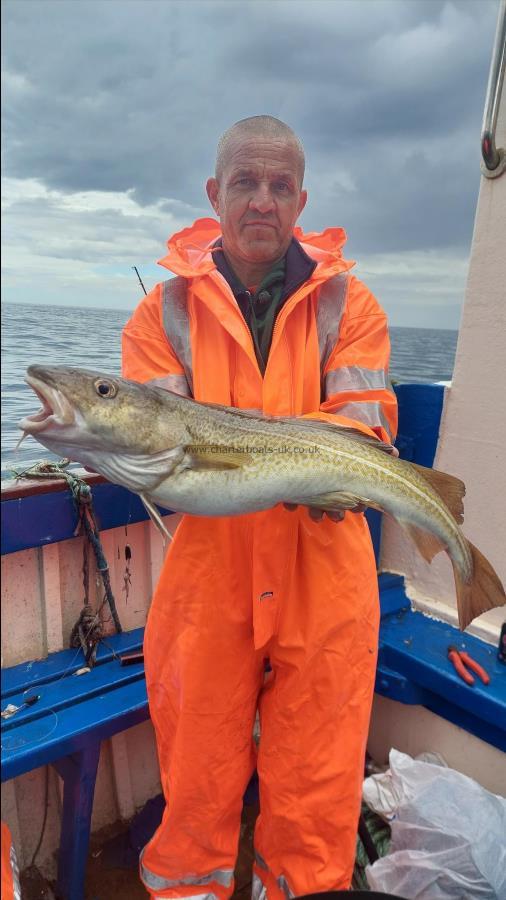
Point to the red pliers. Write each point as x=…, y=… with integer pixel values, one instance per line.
x=460, y=659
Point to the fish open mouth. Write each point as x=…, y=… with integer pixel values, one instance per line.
x=56, y=409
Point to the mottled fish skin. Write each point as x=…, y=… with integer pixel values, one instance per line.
x=212, y=460
x=287, y=465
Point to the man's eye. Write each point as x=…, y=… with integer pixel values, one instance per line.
x=245, y=182
x=282, y=186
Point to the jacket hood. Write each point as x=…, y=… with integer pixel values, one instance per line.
x=190, y=249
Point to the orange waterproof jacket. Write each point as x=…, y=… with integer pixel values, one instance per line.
x=329, y=355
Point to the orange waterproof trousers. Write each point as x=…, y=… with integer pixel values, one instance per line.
x=10, y=871
x=205, y=681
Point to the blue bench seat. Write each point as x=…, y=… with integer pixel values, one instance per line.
x=65, y=728
x=413, y=667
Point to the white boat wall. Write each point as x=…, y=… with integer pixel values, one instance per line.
x=472, y=446
x=42, y=589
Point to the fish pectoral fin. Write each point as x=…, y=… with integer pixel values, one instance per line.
x=332, y=502
x=155, y=517
x=216, y=456
x=427, y=543
x=451, y=489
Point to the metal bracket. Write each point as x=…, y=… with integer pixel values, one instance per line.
x=494, y=162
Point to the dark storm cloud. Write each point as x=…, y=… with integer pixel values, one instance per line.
x=121, y=95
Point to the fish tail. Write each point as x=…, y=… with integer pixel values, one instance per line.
x=483, y=592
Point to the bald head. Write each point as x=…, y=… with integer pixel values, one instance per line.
x=260, y=127
x=257, y=194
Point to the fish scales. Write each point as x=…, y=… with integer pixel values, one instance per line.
x=211, y=460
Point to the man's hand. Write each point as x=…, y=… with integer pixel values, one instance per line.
x=317, y=514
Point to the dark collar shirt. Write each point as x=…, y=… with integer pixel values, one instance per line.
x=260, y=308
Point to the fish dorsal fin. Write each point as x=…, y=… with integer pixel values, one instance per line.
x=235, y=410
x=313, y=425
x=450, y=489
x=330, y=429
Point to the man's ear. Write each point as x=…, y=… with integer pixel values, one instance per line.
x=302, y=202
x=213, y=188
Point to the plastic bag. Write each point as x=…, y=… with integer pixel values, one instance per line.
x=448, y=833
x=384, y=793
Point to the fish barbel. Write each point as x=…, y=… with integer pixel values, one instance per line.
x=209, y=460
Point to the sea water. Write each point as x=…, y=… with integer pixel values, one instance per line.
x=90, y=338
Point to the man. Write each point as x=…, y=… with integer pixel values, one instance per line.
x=262, y=317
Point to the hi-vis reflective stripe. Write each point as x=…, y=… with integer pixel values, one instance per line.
x=355, y=378
x=16, y=888
x=155, y=882
x=176, y=323
x=331, y=302
x=370, y=413
x=189, y=897
x=284, y=886
x=258, y=888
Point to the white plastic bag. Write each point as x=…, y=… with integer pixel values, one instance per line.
x=448, y=833
x=384, y=793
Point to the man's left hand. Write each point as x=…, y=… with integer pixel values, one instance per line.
x=318, y=514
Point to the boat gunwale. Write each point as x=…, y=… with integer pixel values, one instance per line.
x=14, y=489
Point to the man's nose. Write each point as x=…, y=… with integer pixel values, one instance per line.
x=262, y=200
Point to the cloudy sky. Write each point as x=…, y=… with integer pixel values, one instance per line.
x=112, y=110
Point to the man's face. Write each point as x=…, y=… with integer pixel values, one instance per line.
x=258, y=198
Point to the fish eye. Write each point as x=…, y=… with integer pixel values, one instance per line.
x=105, y=388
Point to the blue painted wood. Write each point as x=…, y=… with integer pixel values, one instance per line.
x=38, y=671
x=72, y=708
x=65, y=727
x=413, y=667
x=420, y=407
x=41, y=519
x=79, y=773
x=391, y=593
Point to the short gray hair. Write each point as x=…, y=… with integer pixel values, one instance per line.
x=261, y=126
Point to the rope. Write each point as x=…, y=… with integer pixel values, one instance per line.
x=87, y=631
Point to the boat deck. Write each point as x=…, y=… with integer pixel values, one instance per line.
x=107, y=875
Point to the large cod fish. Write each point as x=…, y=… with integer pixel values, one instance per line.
x=210, y=460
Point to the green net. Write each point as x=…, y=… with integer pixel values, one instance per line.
x=379, y=832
